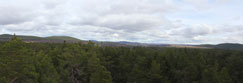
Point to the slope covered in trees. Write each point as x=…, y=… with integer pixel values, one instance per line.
x=88, y=63
x=227, y=46
x=51, y=39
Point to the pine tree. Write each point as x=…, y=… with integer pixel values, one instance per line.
x=155, y=72
x=101, y=75
x=45, y=69
x=98, y=73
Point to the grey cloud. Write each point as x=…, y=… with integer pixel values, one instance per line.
x=27, y=26
x=195, y=30
x=201, y=29
x=129, y=23
x=132, y=16
x=110, y=20
x=52, y=4
x=229, y=28
x=18, y=11
x=142, y=6
x=11, y=15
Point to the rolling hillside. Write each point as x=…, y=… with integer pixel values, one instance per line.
x=60, y=39
x=52, y=39
x=67, y=38
x=227, y=46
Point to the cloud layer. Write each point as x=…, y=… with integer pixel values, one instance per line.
x=149, y=21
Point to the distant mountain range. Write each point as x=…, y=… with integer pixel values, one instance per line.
x=227, y=46
x=61, y=39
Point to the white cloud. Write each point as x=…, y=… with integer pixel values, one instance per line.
x=13, y=15
x=120, y=20
x=129, y=23
x=193, y=30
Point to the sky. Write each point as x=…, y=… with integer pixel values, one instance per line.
x=146, y=21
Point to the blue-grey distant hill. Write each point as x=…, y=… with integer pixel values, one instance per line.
x=227, y=46
x=61, y=39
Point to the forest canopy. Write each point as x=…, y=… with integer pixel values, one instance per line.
x=22, y=62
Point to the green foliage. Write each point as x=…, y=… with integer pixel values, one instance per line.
x=45, y=69
x=100, y=75
x=88, y=63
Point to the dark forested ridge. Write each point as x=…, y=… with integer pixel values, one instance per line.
x=22, y=62
x=227, y=46
x=60, y=39
x=51, y=39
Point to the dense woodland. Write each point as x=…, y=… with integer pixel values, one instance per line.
x=90, y=63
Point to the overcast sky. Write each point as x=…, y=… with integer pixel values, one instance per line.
x=148, y=21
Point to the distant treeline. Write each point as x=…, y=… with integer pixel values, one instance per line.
x=89, y=63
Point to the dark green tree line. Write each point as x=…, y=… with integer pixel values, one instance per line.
x=89, y=63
